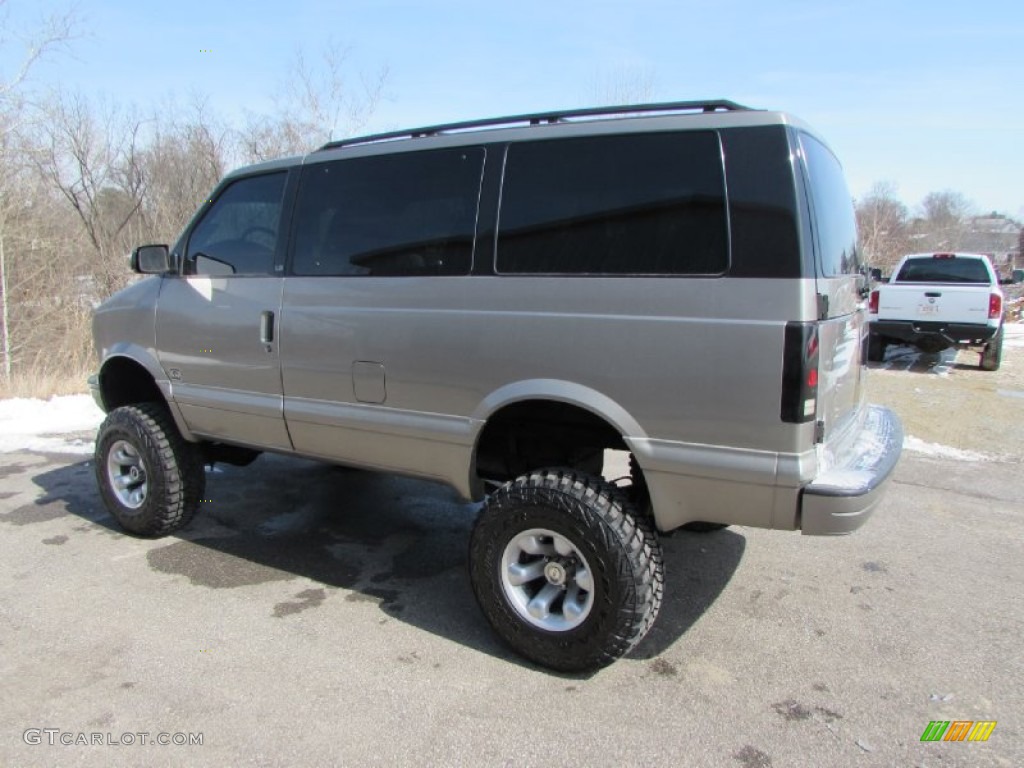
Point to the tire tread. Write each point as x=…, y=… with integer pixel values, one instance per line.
x=992, y=354
x=607, y=513
x=181, y=475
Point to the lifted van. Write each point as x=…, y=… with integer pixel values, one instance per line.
x=495, y=304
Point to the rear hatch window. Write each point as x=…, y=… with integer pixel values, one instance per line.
x=840, y=326
x=834, y=218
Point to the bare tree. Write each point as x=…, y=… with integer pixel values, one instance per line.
x=45, y=293
x=93, y=158
x=315, y=105
x=625, y=85
x=54, y=32
x=9, y=210
x=182, y=162
x=944, y=222
x=882, y=223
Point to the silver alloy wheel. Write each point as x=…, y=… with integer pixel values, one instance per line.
x=127, y=474
x=547, y=580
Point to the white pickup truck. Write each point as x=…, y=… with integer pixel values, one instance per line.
x=936, y=301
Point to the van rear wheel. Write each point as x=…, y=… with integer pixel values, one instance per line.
x=565, y=571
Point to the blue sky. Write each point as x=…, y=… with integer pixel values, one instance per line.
x=925, y=95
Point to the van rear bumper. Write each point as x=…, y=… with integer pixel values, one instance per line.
x=842, y=498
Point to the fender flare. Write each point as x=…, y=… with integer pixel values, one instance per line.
x=555, y=390
x=146, y=358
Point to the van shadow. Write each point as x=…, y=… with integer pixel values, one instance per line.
x=389, y=540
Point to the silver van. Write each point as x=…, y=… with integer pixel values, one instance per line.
x=497, y=305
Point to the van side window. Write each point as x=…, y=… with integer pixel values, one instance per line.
x=238, y=234
x=834, y=219
x=764, y=219
x=631, y=204
x=411, y=213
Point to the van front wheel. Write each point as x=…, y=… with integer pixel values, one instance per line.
x=150, y=478
x=564, y=570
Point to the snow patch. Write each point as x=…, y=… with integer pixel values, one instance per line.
x=48, y=425
x=943, y=451
x=1013, y=334
x=902, y=353
x=905, y=356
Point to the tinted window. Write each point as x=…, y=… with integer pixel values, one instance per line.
x=943, y=270
x=404, y=214
x=833, y=210
x=634, y=204
x=239, y=232
x=762, y=204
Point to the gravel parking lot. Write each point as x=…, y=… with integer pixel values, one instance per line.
x=319, y=616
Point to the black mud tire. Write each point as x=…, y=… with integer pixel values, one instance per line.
x=992, y=354
x=876, y=348
x=621, y=548
x=642, y=501
x=173, y=469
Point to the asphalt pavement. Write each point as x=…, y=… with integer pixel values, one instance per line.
x=319, y=616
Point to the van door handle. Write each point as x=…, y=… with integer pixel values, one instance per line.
x=267, y=327
x=932, y=295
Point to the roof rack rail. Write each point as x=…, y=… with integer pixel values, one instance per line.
x=543, y=117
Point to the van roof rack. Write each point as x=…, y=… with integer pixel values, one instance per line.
x=539, y=118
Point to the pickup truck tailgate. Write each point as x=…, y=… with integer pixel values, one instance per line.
x=934, y=303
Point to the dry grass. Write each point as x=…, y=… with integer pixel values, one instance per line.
x=965, y=408
x=58, y=365
x=44, y=385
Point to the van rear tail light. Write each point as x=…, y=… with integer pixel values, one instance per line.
x=873, y=303
x=800, y=373
x=995, y=306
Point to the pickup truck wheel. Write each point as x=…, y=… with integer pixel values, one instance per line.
x=565, y=571
x=992, y=354
x=150, y=478
x=876, y=348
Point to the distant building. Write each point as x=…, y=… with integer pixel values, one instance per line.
x=999, y=236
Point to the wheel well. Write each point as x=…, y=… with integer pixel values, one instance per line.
x=543, y=433
x=126, y=382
